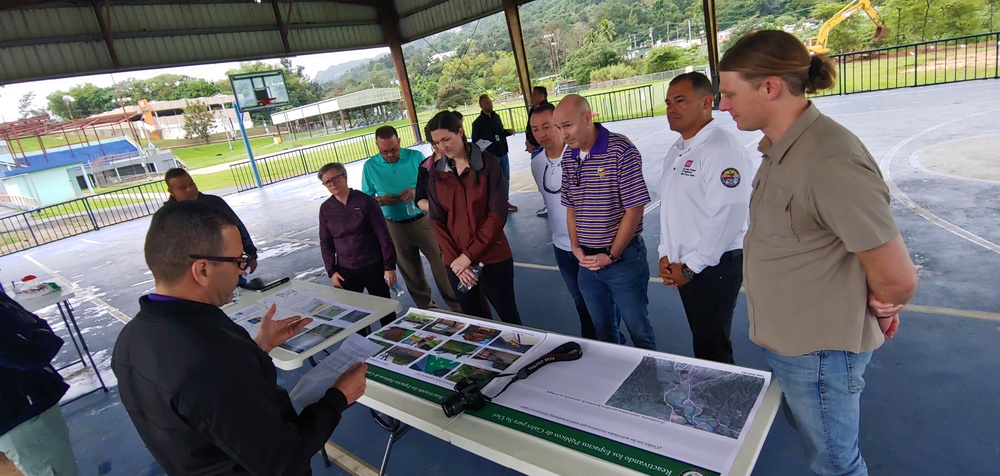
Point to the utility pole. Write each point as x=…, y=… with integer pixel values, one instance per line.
x=689, y=32
x=553, y=51
x=650, y=37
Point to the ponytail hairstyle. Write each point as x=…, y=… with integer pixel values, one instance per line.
x=764, y=53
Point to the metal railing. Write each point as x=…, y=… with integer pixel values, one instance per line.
x=630, y=103
x=307, y=160
x=63, y=220
x=948, y=60
x=609, y=106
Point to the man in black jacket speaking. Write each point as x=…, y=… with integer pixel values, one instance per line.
x=201, y=392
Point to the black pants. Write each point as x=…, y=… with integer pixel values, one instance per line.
x=709, y=300
x=496, y=284
x=370, y=278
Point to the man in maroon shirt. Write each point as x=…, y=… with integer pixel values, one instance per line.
x=354, y=238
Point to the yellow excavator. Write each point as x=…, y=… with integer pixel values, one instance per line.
x=817, y=46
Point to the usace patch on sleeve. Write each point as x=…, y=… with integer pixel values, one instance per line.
x=730, y=177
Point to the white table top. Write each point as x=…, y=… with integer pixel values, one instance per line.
x=288, y=360
x=35, y=303
x=532, y=455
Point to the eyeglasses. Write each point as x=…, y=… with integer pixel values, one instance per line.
x=333, y=179
x=578, y=173
x=545, y=185
x=241, y=262
x=394, y=151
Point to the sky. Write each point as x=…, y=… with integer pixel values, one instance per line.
x=10, y=94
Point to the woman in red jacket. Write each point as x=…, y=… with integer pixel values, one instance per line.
x=468, y=208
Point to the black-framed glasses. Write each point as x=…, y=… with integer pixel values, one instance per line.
x=545, y=184
x=333, y=179
x=391, y=152
x=242, y=261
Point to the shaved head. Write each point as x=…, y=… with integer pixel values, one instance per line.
x=575, y=122
x=574, y=102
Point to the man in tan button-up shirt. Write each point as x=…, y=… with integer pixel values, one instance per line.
x=825, y=268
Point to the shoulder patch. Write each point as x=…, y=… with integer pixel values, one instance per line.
x=730, y=177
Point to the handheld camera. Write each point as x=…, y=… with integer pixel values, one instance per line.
x=467, y=396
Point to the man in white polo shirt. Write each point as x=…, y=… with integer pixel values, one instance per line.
x=546, y=167
x=704, y=203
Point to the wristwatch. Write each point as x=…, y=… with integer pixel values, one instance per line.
x=687, y=273
x=614, y=259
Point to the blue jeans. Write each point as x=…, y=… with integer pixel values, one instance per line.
x=623, y=286
x=505, y=166
x=569, y=267
x=822, y=398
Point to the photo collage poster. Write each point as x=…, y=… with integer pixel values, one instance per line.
x=443, y=349
x=329, y=317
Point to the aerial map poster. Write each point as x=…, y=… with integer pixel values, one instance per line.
x=684, y=409
x=651, y=412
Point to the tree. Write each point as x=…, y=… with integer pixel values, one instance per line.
x=589, y=57
x=198, y=120
x=504, y=76
x=615, y=71
x=88, y=99
x=452, y=96
x=664, y=58
x=26, y=108
x=606, y=30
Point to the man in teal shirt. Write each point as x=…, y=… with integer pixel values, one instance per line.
x=391, y=177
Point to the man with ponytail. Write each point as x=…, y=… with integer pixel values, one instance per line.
x=825, y=269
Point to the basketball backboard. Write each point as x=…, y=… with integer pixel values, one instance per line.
x=259, y=90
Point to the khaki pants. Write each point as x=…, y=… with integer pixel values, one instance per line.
x=411, y=239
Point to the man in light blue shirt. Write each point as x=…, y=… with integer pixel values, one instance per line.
x=391, y=177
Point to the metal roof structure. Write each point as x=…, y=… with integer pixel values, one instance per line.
x=46, y=39
x=368, y=97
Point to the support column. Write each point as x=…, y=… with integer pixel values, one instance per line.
x=517, y=43
x=712, y=42
x=390, y=27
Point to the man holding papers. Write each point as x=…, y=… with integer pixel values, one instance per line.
x=201, y=392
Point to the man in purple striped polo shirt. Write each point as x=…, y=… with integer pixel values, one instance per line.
x=604, y=195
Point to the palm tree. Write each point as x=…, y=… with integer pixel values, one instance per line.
x=606, y=30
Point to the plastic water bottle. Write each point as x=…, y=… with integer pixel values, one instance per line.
x=396, y=290
x=477, y=270
x=411, y=208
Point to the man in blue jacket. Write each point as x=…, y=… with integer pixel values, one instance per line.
x=33, y=433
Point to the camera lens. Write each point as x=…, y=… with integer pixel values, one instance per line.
x=454, y=405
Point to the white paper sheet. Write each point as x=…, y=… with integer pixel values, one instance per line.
x=314, y=384
x=329, y=316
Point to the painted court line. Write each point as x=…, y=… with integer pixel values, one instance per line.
x=903, y=199
x=80, y=293
x=348, y=461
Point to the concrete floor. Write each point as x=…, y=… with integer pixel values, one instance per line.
x=929, y=403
